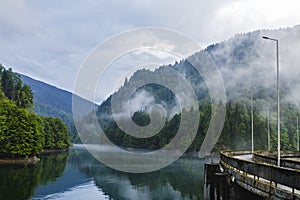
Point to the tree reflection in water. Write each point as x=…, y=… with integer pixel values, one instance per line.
x=19, y=181
x=181, y=180
x=59, y=174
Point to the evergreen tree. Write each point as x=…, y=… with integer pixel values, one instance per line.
x=23, y=133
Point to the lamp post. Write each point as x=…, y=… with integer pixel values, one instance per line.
x=297, y=132
x=252, y=149
x=251, y=101
x=278, y=99
x=269, y=129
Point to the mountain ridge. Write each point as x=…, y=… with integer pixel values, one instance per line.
x=245, y=61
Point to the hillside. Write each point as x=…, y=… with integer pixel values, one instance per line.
x=245, y=62
x=53, y=102
x=48, y=95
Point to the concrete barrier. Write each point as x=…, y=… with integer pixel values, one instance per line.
x=217, y=184
x=263, y=179
x=289, y=159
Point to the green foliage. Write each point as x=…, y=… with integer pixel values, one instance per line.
x=141, y=118
x=52, y=110
x=14, y=89
x=56, y=134
x=116, y=135
x=23, y=133
x=236, y=133
x=50, y=101
x=20, y=131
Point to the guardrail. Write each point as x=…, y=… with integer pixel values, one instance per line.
x=278, y=175
x=270, y=157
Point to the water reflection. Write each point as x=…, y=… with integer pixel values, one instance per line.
x=19, y=181
x=77, y=175
x=181, y=180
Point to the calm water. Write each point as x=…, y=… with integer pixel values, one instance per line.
x=77, y=175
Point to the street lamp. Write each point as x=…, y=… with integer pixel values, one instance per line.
x=251, y=101
x=297, y=133
x=252, y=122
x=269, y=129
x=278, y=99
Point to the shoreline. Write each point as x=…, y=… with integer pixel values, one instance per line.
x=19, y=161
x=30, y=159
x=49, y=151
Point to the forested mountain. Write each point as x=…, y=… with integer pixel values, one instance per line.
x=50, y=101
x=246, y=62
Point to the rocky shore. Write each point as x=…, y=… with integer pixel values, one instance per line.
x=19, y=161
x=29, y=160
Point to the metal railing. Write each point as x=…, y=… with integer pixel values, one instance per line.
x=278, y=175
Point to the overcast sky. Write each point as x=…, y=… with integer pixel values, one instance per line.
x=49, y=40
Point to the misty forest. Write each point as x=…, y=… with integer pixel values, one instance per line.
x=243, y=68
x=236, y=133
x=149, y=100
x=245, y=63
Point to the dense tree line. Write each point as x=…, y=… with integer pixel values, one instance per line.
x=22, y=132
x=55, y=133
x=52, y=102
x=236, y=133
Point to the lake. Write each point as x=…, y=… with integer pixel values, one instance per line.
x=77, y=175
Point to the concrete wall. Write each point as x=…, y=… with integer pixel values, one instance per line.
x=262, y=179
x=288, y=158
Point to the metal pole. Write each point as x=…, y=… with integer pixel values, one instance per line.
x=252, y=144
x=278, y=103
x=297, y=134
x=278, y=97
x=269, y=148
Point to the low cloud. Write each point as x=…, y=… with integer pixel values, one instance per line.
x=42, y=39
